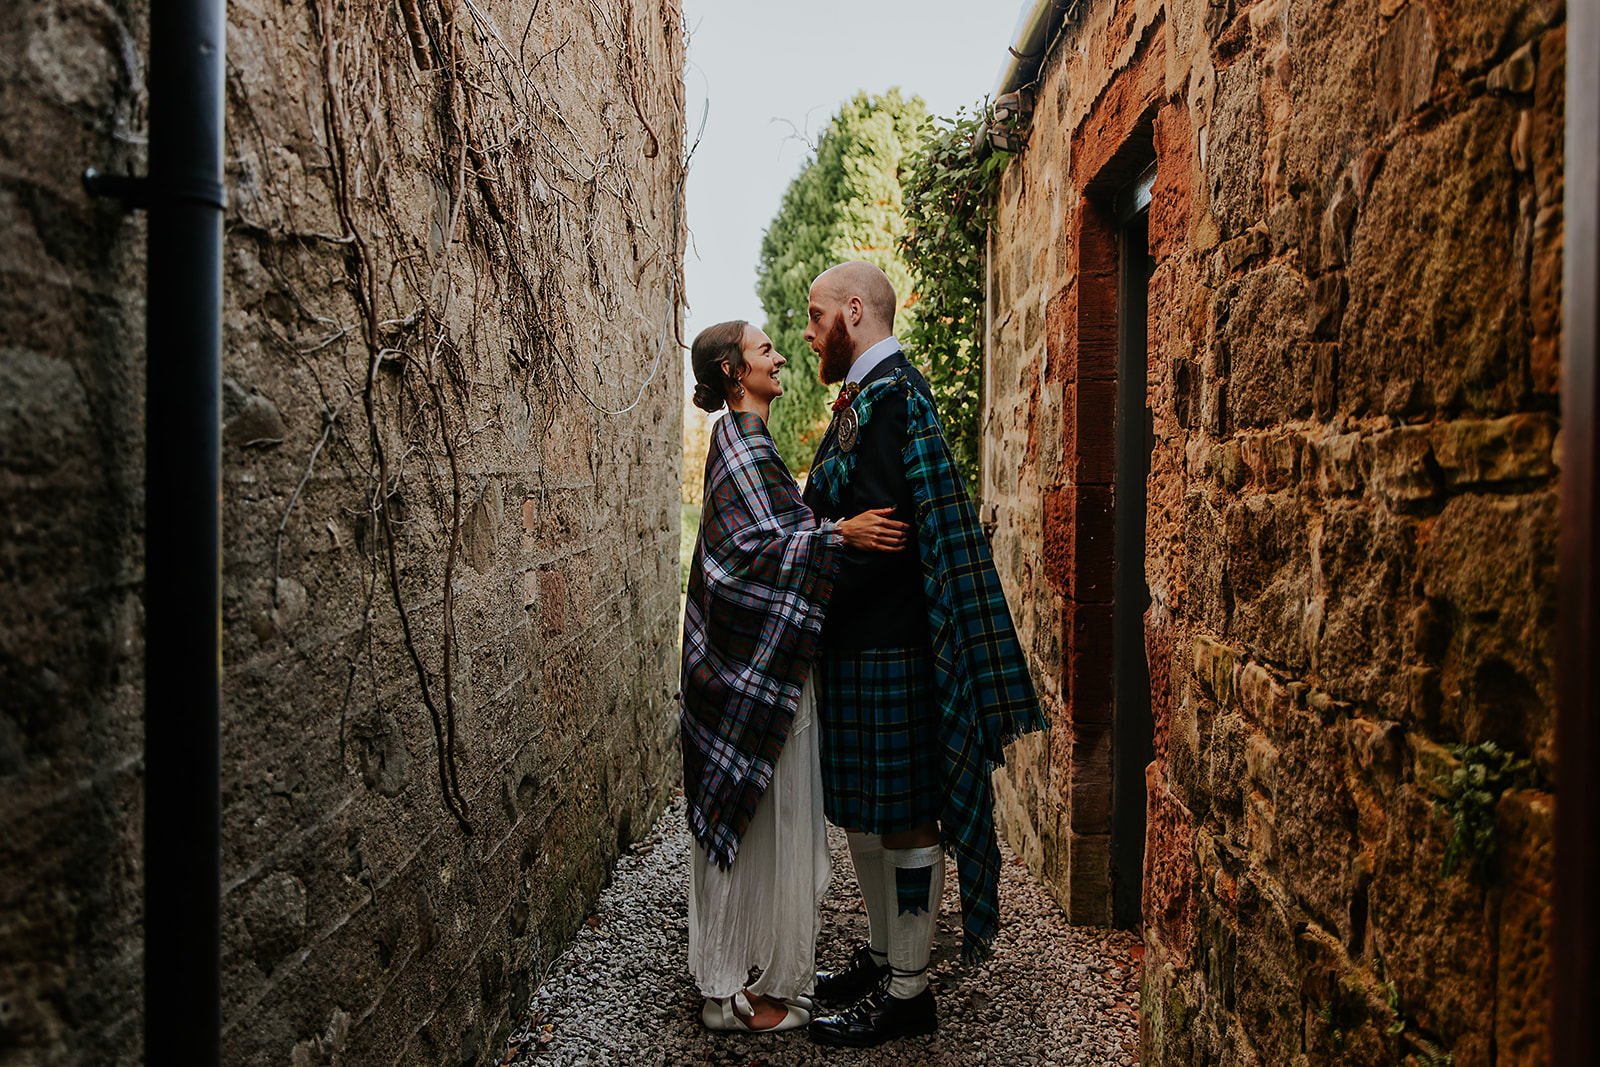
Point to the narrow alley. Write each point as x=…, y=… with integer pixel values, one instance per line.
x=349, y=449
x=621, y=994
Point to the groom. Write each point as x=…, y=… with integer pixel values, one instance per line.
x=922, y=678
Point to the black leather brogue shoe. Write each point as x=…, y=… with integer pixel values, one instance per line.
x=854, y=982
x=876, y=1018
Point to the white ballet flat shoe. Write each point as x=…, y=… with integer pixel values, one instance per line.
x=724, y=1015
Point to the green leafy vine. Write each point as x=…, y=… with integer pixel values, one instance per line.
x=950, y=187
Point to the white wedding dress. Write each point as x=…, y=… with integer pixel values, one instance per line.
x=763, y=910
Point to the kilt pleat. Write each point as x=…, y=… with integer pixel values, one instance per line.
x=882, y=769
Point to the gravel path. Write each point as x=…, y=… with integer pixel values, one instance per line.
x=621, y=994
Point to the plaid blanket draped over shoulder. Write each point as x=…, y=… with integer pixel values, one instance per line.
x=762, y=573
x=986, y=696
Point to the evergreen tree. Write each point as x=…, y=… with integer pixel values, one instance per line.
x=845, y=204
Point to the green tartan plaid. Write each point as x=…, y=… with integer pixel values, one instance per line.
x=878, y=710
x=985, y=694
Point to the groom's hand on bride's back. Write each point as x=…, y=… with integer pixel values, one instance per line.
x=874, y=531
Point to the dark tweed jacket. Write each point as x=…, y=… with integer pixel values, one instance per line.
x=877, y=597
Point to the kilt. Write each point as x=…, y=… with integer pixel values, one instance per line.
x=882, y=770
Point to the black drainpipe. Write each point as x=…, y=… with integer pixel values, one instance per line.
x=183, y=528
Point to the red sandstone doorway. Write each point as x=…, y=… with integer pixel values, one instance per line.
x=1133, y=728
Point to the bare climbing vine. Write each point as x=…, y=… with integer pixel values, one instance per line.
x=435, y=89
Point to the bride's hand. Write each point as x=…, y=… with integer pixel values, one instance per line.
x=874, y=531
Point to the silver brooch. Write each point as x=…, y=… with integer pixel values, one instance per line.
x=849, y=429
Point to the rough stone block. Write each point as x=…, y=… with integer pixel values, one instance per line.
x=1402, y=468
x=1432, y=322
x=1185, y=392
x=1171, y=201
x=1522, y=1006
x=1266, y=979
x=1183, y=762
x=1270, y=580
x=1338, y=224
x=1476, y=33
x=1226, y=778
x=1259, y=321
x=1339, y=464
x=1285, y=226
x=1362, y=570
x=1324, y=380
x=1408, y=59
x=1261, y=829
x=1250, y=245
x=1545, y=301
x=1227, y=466
x=1315, y=827
x=1547, y=147
x=1264, y=701
x=1515, y=75
x=1512, y=448
x=1525, y=832
x=1261, y=761
x=1271, y=458
x=1214, y=404
x=1377, y=760
x=255, y=422
x=552, y=602
x=1377, y=753
x=1060, y=332
x=1434, y=932
x=1328, y=296
x=1497, y=675
x=1238, y=137
x=1214, y=668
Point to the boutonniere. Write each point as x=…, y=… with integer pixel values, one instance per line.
x=846, y=396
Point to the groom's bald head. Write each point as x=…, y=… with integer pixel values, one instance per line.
x=851, y=309
x=864, y=282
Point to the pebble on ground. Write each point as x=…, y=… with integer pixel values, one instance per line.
x=621, y=994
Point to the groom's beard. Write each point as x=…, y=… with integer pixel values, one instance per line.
x=836, y=354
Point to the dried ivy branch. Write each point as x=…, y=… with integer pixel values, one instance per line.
x=330, y=424
x=335, y=123
x=541, y=216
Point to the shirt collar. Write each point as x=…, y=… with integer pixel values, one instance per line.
x=867, y=361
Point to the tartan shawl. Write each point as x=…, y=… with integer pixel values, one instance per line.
x=986, y=696
x=762, y=572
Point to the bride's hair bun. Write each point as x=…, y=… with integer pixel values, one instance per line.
x=706, y=398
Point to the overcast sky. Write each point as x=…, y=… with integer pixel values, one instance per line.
x=774, y=75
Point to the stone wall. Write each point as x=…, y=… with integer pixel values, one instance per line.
x=452, y=408
x=1350, y=532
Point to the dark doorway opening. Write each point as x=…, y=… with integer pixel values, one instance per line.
x=1133, y=729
